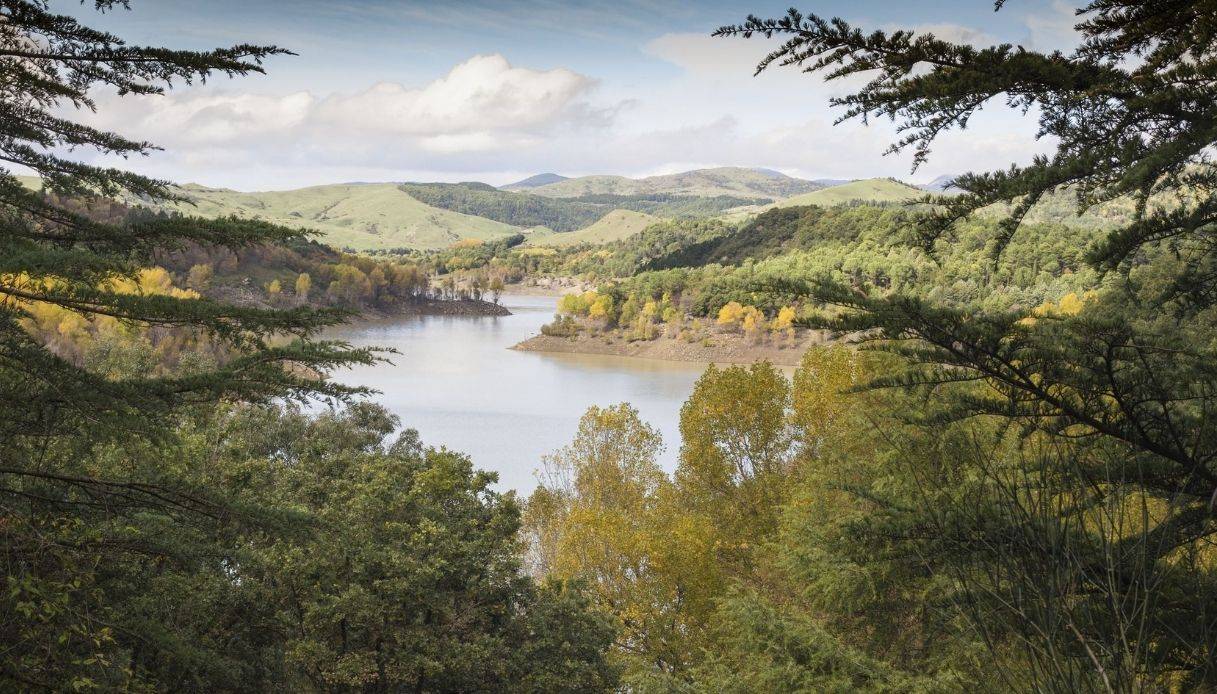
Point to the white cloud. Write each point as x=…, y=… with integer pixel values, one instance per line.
x=486, y=119
x=482, y=104
x=706, y=56
x=481, y=95
x=1052, y=29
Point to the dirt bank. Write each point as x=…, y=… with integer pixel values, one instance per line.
x=726, y=348
x=452, y=307
x=548, y=286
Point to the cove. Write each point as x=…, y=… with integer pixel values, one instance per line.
x=456, y=381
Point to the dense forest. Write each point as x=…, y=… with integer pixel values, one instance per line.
x=564, y=214
x=1001, y=477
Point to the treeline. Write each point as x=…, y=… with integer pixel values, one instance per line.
x=564, y=214
x=766, y=264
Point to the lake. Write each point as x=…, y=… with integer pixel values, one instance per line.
x=456, y=382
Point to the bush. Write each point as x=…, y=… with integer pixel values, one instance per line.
x=562, y=326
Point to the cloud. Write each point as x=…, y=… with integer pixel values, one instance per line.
x=705, y=56
x=955, y=33
x=1053, y=29
x=484, y=94
x=483, y=103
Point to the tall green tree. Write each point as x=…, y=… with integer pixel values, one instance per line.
x=90, y=484
x=1113, y=401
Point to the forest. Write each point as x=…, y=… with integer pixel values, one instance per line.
x=564, y=214
x=1000, y=476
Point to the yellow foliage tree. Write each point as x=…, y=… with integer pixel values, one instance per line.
x=731, y=313
x=304, y=284
x=601, y=308
x=606, y=513
x=784, y=320
x=752, y=320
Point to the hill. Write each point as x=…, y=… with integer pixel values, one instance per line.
x=519, y=209
x=729, y=181
x=941, y=184
x=371, y=216
x=535, y=181
x=614, y=226
x=872, y=190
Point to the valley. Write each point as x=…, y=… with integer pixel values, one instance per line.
x=402, y=217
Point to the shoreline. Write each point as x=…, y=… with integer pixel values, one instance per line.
x=548, y=286
x=726, y=348
x=434, y=307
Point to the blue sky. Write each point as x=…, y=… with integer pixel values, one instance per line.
x=496, y=91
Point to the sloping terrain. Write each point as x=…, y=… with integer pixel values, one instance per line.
x=541, y=179
x=734, y=181
x=614, y=226
x=359, y=216
x=872, y=190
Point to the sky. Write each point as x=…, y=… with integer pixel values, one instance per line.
x=496, y=91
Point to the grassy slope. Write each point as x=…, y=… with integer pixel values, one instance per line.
x=363, y=217
x=868, y=190
x=704, y=182
x=615, y=225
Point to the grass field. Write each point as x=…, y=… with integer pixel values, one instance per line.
x=359, y=216
x=614, y=226
x=867, y=190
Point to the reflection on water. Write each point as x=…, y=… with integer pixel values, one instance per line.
x=455, y=380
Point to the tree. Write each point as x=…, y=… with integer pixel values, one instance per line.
x=73, y=512
x=1113, y=401
x=200, y=276
x=735, y=447
x=730, y=314
x=411, y=579
x=304, y=284
x=605, y=513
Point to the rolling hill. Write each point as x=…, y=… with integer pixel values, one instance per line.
x=734, y=181
x=371, y=216
x=614, y=226
x=880, y=190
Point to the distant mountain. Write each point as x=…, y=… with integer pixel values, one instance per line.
x=735, y=181
x=830, y=182
x=867, y=190
x=537, y=181
x=942, y=184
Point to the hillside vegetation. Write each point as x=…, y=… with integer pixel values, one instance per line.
x=614, y=226
x=735, y=181
x=870, y=190
x=564, y=214
x=373, y=216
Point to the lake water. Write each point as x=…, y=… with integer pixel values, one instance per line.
x=456, y=382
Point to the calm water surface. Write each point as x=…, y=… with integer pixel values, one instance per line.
x=458, y=384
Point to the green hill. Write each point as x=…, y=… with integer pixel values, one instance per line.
x=517, y=209
x=734, y=181
x=868, y=190
x=360, y=216
x=614, y=226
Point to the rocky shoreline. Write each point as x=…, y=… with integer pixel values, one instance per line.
x=453, y=307
x=726, y=348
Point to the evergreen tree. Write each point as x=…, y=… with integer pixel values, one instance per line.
x=1113, y=397
x=90, y=487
